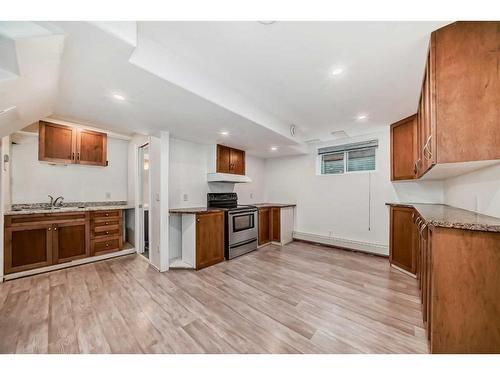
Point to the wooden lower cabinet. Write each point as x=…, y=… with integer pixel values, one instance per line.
x=264, y=225
x=269, y=225
x=459, y=282
x=70, y=241
x=40, y=240
x=27, y=247
x=402, y=251
x=209, y=239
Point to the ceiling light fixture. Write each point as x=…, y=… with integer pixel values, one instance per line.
x=118, y=97
x=266, y=23
x=337, y=71
x=274, y=148
x=224, y=133
x=361, y=117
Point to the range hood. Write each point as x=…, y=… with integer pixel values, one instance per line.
x=227, y=177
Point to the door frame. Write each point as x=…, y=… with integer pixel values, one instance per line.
x=139, y=210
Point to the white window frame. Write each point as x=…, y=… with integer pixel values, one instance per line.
x=319, y=164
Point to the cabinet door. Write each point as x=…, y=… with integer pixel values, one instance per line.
x=404, y=149
x=401, y=252
x=56, y=143
x=209, y=239
x=28, y=247
x=91, y=147
x=276, y=224
x=237, y=161
x=70, y=241
x=264, y=225
x=223, y=159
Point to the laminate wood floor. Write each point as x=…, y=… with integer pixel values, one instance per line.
x=300, y=298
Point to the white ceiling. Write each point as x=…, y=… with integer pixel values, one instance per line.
x=197, y=79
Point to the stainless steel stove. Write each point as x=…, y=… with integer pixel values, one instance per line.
x=241, y=225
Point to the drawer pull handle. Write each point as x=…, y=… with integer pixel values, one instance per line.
x=107, y=232
x=106, y=223
x=107, y=245
x=106, y=215
x=55, y=228
x=50, y=228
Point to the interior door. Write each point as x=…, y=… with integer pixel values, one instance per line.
x=209, y=239
x=91, y=147
x=237, y=161
x=70, y=241
x=28, y=247
x=56, y=143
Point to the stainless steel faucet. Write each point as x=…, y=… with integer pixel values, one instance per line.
x=55, y=202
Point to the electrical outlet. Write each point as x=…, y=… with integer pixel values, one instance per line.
x=185, y=197
x=108, y=195
x=251, y=195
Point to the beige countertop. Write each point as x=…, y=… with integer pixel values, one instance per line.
x=442, y=215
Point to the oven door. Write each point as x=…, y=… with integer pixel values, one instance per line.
x=242, y=226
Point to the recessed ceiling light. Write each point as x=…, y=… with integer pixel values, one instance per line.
x=118, y=97
x=266, y=22
x=361, y=117
x=274, y=148
x=337, y=71
x=224, y=133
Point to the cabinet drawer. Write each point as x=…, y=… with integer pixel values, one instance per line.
x=104, y=222
x=105, y=245
x=13, y=220
x=105, y=214
x=111, y=231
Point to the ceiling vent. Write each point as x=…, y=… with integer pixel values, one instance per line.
x=339, y=134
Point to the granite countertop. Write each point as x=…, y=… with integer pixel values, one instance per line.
x=43, y=208
x=193, y=210
x=442, y=215
x=280, y=205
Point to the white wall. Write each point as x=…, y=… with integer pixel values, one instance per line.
x=337, y=206
x=477, y=191
x=188, y=176
x=32, y=180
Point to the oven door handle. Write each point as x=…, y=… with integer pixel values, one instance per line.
x=242, y=213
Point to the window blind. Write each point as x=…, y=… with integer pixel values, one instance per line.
x=348, y=147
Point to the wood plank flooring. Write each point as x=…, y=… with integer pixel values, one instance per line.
x=300, y=298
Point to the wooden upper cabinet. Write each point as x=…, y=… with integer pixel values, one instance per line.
x=404, y=143
x=230, y=160
x=56, y=143
x=64, y=144
x=92, y=147
x=401, y=242
x=467, y=91
x=223, y=159
x=209, y=239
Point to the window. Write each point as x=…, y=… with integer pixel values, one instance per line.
x=352, y=157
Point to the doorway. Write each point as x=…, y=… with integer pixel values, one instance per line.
x=144, y=197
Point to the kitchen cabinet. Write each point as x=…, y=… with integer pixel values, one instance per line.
x=275, y=224
x=230, y=160
x=458, y=279
x=38, y=240
x=404, y=144
x=27, y=247
x=106, y=231
x=209, y=239
x=402, y=252
x=457, y=114
x=63, y=144
x=264, y=225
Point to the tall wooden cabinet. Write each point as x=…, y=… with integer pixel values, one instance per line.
x=230, y=160
x=457, y=116
x=63, y=144
x=402, y=239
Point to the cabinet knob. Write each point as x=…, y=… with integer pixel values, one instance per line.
x=107, y=245
x=50, y=228
x=106, y=215
x=198, y=220
x=55, y=228
x=107, y=232
x=106, y=223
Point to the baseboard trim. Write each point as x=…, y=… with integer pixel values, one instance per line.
x=343, y=243
x=73, y=263
x=404, y=271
